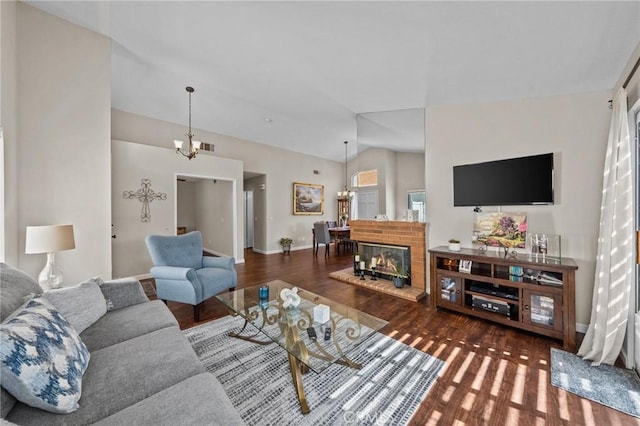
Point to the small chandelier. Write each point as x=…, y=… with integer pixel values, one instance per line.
x=346, y=194
x=194, y=146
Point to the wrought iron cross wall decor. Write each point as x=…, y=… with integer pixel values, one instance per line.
x=145, y=195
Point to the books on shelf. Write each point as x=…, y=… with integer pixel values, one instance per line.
x=542, y=309
x=516, y=273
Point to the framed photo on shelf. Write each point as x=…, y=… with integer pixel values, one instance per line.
x=465, y=266
x=308, y=199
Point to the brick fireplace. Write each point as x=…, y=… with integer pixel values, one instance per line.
x=388, y=259
x=410, y=234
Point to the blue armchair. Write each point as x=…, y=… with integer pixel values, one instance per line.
x=183, y=274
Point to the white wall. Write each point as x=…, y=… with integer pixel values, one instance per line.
x=281, y=168
x=63, y=129
x=214, y=216
x=409, y=177
x=186, y=200
x=9, y=124
x=133, y=162
x=390, y=184
x=573, y=127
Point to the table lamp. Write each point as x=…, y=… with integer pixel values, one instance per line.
x=49, y=240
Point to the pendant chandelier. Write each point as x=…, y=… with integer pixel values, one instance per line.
x=194, y=146
x=346, y=194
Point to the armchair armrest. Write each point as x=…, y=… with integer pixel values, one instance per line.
x=218, y=262
x=173, y=273
x=122, y=292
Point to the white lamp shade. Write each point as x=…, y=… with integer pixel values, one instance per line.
x=49, y=239
x=178, y=144
x=196, y=145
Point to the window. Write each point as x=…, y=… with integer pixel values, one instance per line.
x=365, y=178
x=417, y=201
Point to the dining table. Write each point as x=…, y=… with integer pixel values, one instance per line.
x=339, y=234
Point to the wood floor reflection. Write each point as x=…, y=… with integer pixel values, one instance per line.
x=495, y=375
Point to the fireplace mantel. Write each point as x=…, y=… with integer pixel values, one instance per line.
x=411, y=234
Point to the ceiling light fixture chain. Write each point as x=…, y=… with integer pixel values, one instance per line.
x=194, y=146
x=346, y=194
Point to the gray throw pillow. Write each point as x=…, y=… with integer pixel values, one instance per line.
x=122, y=292
x=80, y=305
x=15, y=286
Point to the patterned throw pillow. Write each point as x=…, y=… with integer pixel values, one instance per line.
x=42, y=358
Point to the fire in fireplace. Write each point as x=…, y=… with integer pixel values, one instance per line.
x=389, y=260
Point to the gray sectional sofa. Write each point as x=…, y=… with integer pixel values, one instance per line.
x=142, y=369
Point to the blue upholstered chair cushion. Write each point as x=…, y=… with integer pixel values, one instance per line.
x=42, y=358
x=183, y=251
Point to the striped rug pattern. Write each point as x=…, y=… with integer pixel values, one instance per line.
x=394, y=379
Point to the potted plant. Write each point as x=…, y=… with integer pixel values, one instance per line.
x=398, y=280
x=285, y=242
x=454, y=244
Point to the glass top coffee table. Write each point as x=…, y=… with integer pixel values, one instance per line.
x=271, y=322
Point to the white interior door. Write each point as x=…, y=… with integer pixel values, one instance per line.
x=367, y=203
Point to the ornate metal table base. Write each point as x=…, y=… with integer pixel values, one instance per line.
x=297, y=352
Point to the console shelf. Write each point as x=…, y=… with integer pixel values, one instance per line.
x=533, y=294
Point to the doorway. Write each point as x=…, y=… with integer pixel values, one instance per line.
x=204, y=204
x=248, y=219
x=255, y=216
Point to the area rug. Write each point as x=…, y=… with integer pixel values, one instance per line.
x=389, y=388
x=614, y=387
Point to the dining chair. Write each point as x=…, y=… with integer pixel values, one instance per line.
x=321, y=231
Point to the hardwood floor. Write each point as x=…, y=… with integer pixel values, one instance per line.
x=495, y=375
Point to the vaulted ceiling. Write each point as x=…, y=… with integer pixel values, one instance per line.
x=296, y=74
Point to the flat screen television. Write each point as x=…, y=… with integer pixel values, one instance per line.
x=515, y=181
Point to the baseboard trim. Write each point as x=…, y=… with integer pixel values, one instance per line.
x=218, y=254
x=581, y=328
x=260, y=251
x=213, y=252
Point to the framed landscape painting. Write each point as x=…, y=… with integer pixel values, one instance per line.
x=499, y=229
x=308, y=198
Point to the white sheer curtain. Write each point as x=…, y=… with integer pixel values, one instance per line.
x=614, y=262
